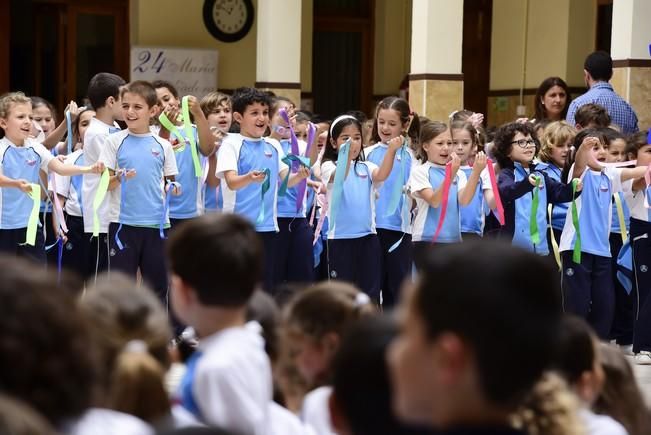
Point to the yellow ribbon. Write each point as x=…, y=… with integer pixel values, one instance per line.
x=102, y=188
x=620, y=216
x=557, y=254
x=32, y=223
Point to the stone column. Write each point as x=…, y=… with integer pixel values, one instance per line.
x=435, y=79
x=630, y=52
x=278, y=66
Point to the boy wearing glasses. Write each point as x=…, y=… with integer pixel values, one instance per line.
x=525, y=188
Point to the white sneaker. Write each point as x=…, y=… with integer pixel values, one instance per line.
x=643, y=358
x=626, y=349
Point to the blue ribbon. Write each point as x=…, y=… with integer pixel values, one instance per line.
x=69, y=127
x=396, y=194
x=265, y=187
x=338, y=185
x=406, y=217
x=123, y=181
x=290, y=160
x=166, y=207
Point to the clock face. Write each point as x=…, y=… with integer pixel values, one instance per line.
x=228, y=20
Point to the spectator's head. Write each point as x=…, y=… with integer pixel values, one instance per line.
x=552, y=99
x=598, y=67
x=454, y=362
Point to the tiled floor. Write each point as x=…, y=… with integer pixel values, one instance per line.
x=643, y=375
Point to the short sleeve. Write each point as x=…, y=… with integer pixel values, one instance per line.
x=281, y=165
x=419, y=179
x=227, y=157
x=62, y=185
x=45, y=155
x=615, y=175
x=327, y=169
x=462, y=180
x=372, y=167
x=485, y=179
x=169, y=166
x=109, y=154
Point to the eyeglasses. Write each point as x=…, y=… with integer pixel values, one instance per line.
x=523, y=143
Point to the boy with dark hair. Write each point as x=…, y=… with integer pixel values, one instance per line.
x=251, y=168
x=104, y=96
x=597, y=72
x=591, y=116
x=140, y=162
x=474, y=344
x=228, y=381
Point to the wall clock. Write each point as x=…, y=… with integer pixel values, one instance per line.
x=228, y=20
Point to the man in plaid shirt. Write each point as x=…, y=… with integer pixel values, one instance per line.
x=598, y=70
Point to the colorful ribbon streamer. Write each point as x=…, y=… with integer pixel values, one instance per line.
x=32, y=223
x=165, y=122
x=69, y=127
x=189, y=132
x=533, y=220
x=576, y=255
x=57, y=206
x=166, y=207
x=557, y=254
x=620, y=217
x=266, y=184
x=100, y=194
x=123, y=181
x=338, y=185
x=447, y=181
x=496, y=192
x=290, y=160
x=398, y=188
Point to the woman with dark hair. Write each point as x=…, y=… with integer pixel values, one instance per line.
x=552, y=99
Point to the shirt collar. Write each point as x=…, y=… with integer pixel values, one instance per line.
x=602, y=85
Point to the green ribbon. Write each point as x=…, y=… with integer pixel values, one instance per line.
x=533, y=220
x=266, y=184
x=32, y=223
x=100, y=194
x=288, y=160
x=576, y=255
x=185, y=109
x=165, y=122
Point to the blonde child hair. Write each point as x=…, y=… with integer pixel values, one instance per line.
x=555, y=134
x=9, y=99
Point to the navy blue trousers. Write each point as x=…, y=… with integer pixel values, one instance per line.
x=144, y=250
x=11, y=243
x=642, y=285
x=622, y=329
x=269, y=245
x=358, y=262
x=588, y=290
x=395, y=266
x=294, y=259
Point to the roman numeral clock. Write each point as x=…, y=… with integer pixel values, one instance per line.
x=228, y=20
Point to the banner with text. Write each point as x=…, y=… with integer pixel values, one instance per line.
x=192, y=71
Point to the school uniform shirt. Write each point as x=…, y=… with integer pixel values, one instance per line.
x=517, y=196
x=100, y=421
x=315, y=411
x=191, y=202
x=596, y=424
x=284, y=422
x=355, y=216
x=403, y=162
x=287, y=202
x=615, y=227
x=20, y=162
x=559, y=211
x=635, y=203
x=70, y=187
x=594, y=207
x=243, y=155
x=431, y=176
x=228, y=382
x=139, y=201
x=473, y=214
x=94, y=142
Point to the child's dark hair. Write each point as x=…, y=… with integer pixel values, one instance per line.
x=77, y=121
x=223, y=245
x=610, y=134
x=449, y=299
x=404, y=113
x=143, y=89
x=131, y=330
x=545, y=86
x=361, y=116
x=576, y=352
x=578, y=139
x=592, y=113
x=157, y=84
x=503, y=138
x=334, y=132
x=635, y=142
x=361, y=384
x=428, y=132
x=40, y=101
x=102, y=86
x=330, y=306
x=47, y=356
x=244, y=97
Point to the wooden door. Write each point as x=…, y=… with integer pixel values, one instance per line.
x=476, y=55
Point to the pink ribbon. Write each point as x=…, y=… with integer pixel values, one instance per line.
x=496, y=192
x=57, y=206
x=447, y=181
